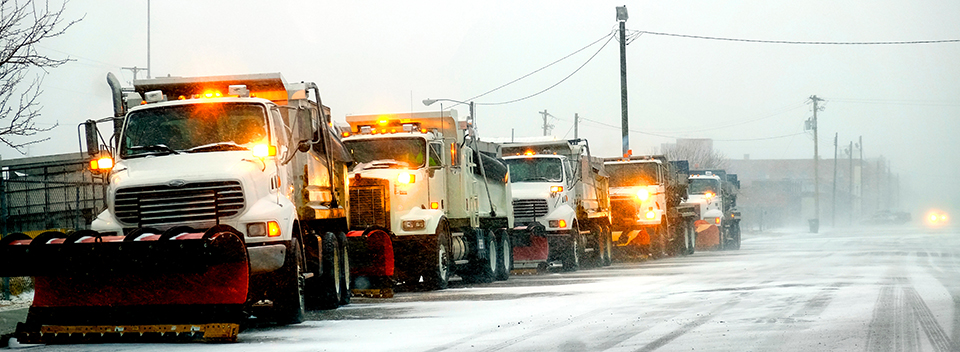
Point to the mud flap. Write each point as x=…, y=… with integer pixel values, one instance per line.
x=372, y=262
x=178, y=284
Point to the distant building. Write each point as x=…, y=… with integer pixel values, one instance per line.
x=780, y=192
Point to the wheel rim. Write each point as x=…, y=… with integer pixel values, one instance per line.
x=492, y=255
x=442, y=262
x=505, y=247
x=336, y=271
x=346, y=269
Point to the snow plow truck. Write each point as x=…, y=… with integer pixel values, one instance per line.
x=425, y=204
x=561, y=191
x=716, y=193
x=650, y=217
x=226, y=199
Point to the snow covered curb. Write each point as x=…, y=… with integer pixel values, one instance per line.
x=20, y=301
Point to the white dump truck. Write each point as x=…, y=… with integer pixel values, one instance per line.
x=560, y=190
x=425, y=204
x=716, y=193
x=226, y=196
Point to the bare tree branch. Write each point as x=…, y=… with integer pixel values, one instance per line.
x=699, y=155
x=23, y=25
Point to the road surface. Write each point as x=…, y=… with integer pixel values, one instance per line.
x=869, y=289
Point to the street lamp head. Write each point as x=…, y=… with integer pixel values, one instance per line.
x=428, y=101
x=622, y=13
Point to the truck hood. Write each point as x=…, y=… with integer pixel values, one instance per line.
x=188, y=167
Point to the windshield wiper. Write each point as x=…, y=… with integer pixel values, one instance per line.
x=216, y=147
x=155, y=149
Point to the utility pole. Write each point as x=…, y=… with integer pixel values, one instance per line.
x=833, y=208
x=546, y=126
x=860, y=188
x=850, y=175
x=136, y=70
x=148, y=42
x=815, y=222
x=624, y=126
x=576, y=125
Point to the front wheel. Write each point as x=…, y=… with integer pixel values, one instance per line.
x=289, y=306
x=572, y=254
x=437, y=276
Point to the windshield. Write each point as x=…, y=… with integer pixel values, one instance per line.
x=408, y=152
x=535, y=170
x=632, y=174
x=179, y=128
x=703, y=185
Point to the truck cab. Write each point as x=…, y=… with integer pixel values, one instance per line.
x=637, y=191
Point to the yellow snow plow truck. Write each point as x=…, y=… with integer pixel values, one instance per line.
x=226, y=199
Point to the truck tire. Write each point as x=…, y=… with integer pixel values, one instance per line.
x=329, y=286
x=483, y=270
x=289, y=307
x=345, y=293
x=690, y=238
x=735, y=236
x=607, y=250
x=504, y=257
x=573, y=252
x=437, y=276
x=598, y=243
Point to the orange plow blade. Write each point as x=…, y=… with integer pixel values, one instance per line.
x=145, y=286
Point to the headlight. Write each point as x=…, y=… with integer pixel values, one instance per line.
x=651, y=214
x=643, y=194
x=556, y=189
x=557, y=223
x=411, y=225
x=406, y=177
x=708, y=195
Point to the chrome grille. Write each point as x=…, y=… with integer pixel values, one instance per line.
x=368, y=207
x=529, y=208
x=163, y=204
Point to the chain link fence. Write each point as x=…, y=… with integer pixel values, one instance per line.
x=48, y=193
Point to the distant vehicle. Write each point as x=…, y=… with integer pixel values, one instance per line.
x=716, y=192
x=886, y=217
x=937, y=218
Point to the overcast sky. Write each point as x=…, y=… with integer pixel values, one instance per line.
x=374, y=57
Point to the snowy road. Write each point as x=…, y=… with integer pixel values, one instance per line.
x=892, y=289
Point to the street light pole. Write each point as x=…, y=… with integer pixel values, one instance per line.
x=624, y=125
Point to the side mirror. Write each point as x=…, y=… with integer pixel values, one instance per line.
x=92, y=137
x=305, y=129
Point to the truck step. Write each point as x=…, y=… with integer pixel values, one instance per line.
x=373, y=293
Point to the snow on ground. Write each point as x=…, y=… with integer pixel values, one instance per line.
x=20, y=301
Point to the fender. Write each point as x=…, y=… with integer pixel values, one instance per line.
x=431, y=218
x=562, y=212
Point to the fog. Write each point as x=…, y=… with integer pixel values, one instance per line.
x=750, y=98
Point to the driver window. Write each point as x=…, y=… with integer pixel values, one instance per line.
x=435, y=155
x=275, y=125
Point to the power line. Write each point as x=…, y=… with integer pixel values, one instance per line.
x=609, y=38
x=544, y=67
x=897, y=102
x=911, y=42
x=677, y=137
